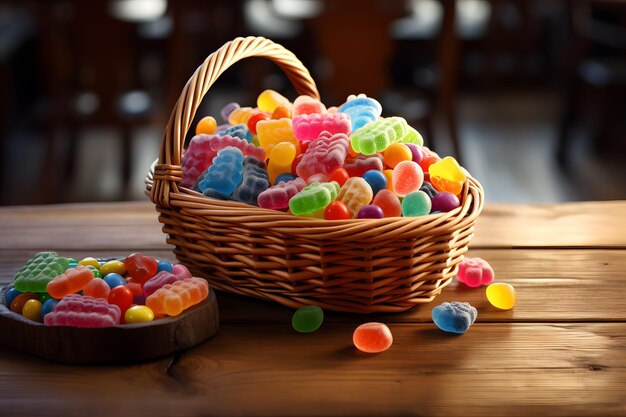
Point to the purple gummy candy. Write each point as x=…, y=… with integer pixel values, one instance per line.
x=444, y=202
x=83, y=311
x=255, y=181
x=360, y=164
x=248, y=149
x=370, y=211
x=228, y=109
x=324, y=155
x=277, y=197
x=196, y=159
x=309, y=126
x=181, y=271
x=157, y=281
x=415, y=152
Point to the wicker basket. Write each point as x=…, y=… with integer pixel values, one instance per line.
x=358, y=265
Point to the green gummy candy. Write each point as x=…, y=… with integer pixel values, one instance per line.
x=314, y=197
x=39, y=271
x=307, y=319
x=96, y=273
x=417, y=203
x=378, y=135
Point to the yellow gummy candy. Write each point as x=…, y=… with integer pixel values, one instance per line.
x=501, y=295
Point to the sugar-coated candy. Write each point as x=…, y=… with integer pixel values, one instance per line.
x=362, y=110
x=340, y=175
x=475, y=272
x=427, y=161
x=307, y=105
x=181, y=271
x=277, y=197
x=219, y=142
x=138, y=314
x=428, y=189
x=90, y=261
x=355, y=194
x=172, y=299
x=281, y=158
x=372, y=337
x=309, y=126
x=307, y=319
x=160, y=279
x=324, y=155
x=114, y=266
x=337, y=210
x=10, y=295
x=206, y=125
x=407, y=177
x=97, y=288
x=39, y=271
x=32, y=310
x=313, y=198
x=49, y=306
x=226, y=172
x=254, y=181
x=269, y=100
x=196, y=159
x=239, y=132
x=447, y=175
x=317, y=178
x=445, y=202
x=388, y=203
x=416, y=203
x=501, y=295
x=17, y=305
x=454, y=317
x=272, y=132
x=164, y=265
x=416, y=152
x=113, y=280
x=378, y=135
x=376, y=179
x=83, y=311
x=396, y=153
x=70, y=282
x=228, y=109
x=141, y=267
x=121, y=296
x=360, y=164
x=286, y=177
x=370, y=211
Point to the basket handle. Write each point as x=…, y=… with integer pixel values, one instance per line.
x=167, y=172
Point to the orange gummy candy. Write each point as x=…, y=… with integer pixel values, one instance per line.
x=172, y=299
x=70, y=282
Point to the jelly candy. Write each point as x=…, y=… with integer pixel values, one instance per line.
x=454, y=317
x=307, y=319
x=427, y=161
x=362, y=110
x=228, y=109
x=376, y=179
x=97, y=288
x=269, y=100
x=238, y=132
x=115, y=266
x=122, y=297
x=89, y=261
x=70, y=282
x=226, y=172
x=308, y=127
x=307, y=105
x=277, y=197
x=416, y=203
x=355, y=194
x=445, y=202
x=317, y=178
x=475, y=272
x=39, y=271
x=95, y=271
x=377, y=136
x=281, y=158
x=241, y=115
x=388, y=202
x=446, y=175
x=360, y=164
x=428, y=189
x=407, y=177
x=388, y=173
x=165, y=265
x=83, y=311
x=138, y=314
x=501, y=295
x=323, y=155
x=247, y=149
x=416, y=152
x=286, y=177
x=32, y=310
x=254, y=119
x=49, y=306
x=272, y=132
x=207, y=125
x=44, y=296
x=254, y=181
x=313, y=197
x=372, y=337
x=113, y=280
x=196, y=159
x=141, y=267
x=340, y=175
x=281, y=112
x=17, y=305
x=157, y=281
x=336, y=210
x=396, y=153
x=10, y=295
x=181, y=271
x=172, y=299
x=370, y=212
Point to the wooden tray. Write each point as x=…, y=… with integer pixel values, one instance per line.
x=119, y=344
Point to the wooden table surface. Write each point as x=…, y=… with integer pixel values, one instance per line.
x=560, y=351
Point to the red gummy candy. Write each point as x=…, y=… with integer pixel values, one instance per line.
x=475, y=272
x=141, y=267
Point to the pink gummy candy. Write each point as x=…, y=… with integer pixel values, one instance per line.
x=248, y=149
x=475, y=272
x=181, y=271
x=360, y=164
x=309, y=126
x=307, y=105
x=157, y=281
x=83, y=311
x=324, y=155
x=277, y=197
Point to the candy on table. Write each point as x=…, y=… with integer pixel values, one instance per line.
x=407, y=177
x=378, y=135
x=415, y=204
x=416, y=152
x=324, y=155
x=445, y=202
x=307, y=319
x=370, y=211
x=89, y=261
x=428, y=189
x=360, y=164
x=361, y=109
x=206, y=125
x=138, y=314
x=114, y=266
x=255, y=180
x=286, y=177
x=226, y=172
x=17, y=305
x=340, y=175
x=272, y=132
x=181, y=271
x=157, y=281
x=309, y=126
x=501, y=295
x=228, y=109
x=388, y=202
x=372, y=337
x=237, y=131
x=376, y=179
x=83, y=311
x=70, y=282
x=121, y=296
x=281, y=158
x=355, y=193
x=277, y=197
x=39, y=271
x=269, y=100
x=307, y=105
x=454, y=317
x=254, y=119
x=446, y=175
x=475, y=272
x=32, y=310
x=313, y=198
x=397, y=152
x=141, y=267
x=337, y=210
x=172, y=299
x=97, y=288
x=114, y=279
x=164, y=265
x=49, y=306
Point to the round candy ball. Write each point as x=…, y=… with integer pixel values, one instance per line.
x=164, y=266
x=416, y=203
x=372, y=337
x=32, y=310
x=336, y=210
x=501, y=295
x=416, y=152
x=340, y=175
x=376, y=179
x=370, y=212
x=49, y=306
x=10, y=295
x=307, y=319
x=114, y=266
x=122, y=297
x=396, y=153
x=445, y=202
x=113, y=280
x=138, y=314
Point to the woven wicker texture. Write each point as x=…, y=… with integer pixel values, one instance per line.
x=358, y=265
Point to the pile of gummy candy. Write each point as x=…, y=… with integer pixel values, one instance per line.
x=61, y=291
x=337, y=163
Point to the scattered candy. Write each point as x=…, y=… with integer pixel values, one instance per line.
x=475, y=272
x=454, y=317
x=372, y=337
x=501, y=295
x=307, y=319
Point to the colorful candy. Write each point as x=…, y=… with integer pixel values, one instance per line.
x=407, y=178
x=376, y=179
x=324, y=155
x=32, y=310
x=39, y=271
x=226, y=172
x=396, y=153
x=362, y=110
x=138, y=314
x=416, y=203
x=307, y=319
x=377, y=136
x=313, y=197
x=337, y=210
x=172, y=299
x=97, y=288
x=445, y=202
x=309, y=126
x=388, y=203
x=159, y=280
x=446, y=175
x=360, y=164
x=307, y=105
x=206, y=125
x=269, y=100
x=141, y=267
x=254, y=181
x=475, y=272
x=372, y=337
x=281, y=158
x=17, y=305
x=115, y=266
x=83, y=311
x=454, y=317
x=355, y=194
x=277, y=197
x=501, y=295
x=121, y=296
x=70, y=282
x=370, y=211
x=273, y=132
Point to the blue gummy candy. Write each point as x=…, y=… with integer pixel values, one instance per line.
x=209, y=192
x=164, y=266
x=113, y=280
x=238, y=131
x=10, y=295
x=286, y=177
x=255, y=181
x=454, y=317
x=362, y=110
x=49, y=306
x=225, y=173
x=376, y=179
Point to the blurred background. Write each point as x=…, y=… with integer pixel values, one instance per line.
x=528, y=94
